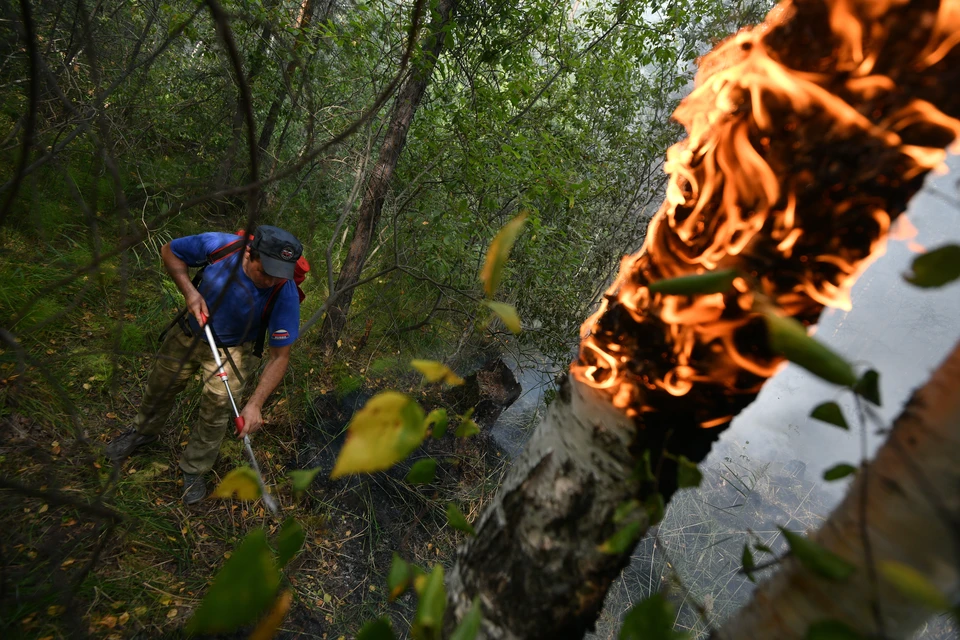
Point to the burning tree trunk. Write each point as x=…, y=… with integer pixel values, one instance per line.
x=807, y=137
x=405, y=107
x=912, y=510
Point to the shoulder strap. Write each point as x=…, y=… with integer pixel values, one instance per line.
x=226, y=250
x=265, y=319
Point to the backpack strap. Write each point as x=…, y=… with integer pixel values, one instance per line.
x=265, y=319
x=197, y=278
x=226, y=250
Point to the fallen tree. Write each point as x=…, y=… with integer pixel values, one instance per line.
x=807, y=136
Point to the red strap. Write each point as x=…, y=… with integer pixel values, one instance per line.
x=224, y=252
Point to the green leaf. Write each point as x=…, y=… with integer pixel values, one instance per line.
x=645, y=470
x=621, y=541
x=457, y=520
x=379, y=629
x=914, y=585
x=242, y=590
x=422, y=471
x=868, y=386
x=384, y=432
x=498, y=253
x=748, y=564
x=656, y=508
x=651, y=619
x=703, y=283
x=469, y=627
x=428, y=621
x=399, y=577
x=936, y=268
x=625, y=510
x=688, y=475
x=811, y=555
x=838, y=471
x=831, y=413
x=507, y=314
x=790, y=339
x=764, y=548
x=436, y=372
x=302, y=478
x=467, y=428
x=289, y=541
x=241, y=481
x=831, y=630
x=437, y=419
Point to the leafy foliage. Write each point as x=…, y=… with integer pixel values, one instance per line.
x=621, y=541
x=498, y=253
x=705, y=283
x=814, y=557
x=936, y=268
x=241, y=482
x=457, y=520
x=839, y=471
x=289, y=541
x=428, y=621
x=914, y=585
x=422, y=471
x=437, y=372
x=831, y=413
x=651, y=619
x=789, y=338
x=385, y=431
x=243, y=589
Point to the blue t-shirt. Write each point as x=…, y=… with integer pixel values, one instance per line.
x=236, y=305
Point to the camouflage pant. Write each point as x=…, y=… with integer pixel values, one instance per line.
x=179, y=359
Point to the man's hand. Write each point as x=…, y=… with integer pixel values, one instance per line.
x=177, y=269
x=197, y=307
x=252, y=420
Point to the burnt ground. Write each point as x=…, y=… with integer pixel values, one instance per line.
x=373, y=516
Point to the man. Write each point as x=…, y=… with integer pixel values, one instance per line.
x=233, y=295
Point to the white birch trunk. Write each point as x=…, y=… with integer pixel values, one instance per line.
x=538, y=544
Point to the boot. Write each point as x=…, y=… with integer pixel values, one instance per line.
x=126, y=443
x=194, y=488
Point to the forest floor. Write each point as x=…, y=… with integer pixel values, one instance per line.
x=111, y=551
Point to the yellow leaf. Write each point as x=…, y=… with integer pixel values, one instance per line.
x=381, y=434
x=124, y=617
x=242, y=481
x=507, y=314
x=112, y=415
x=43, y=509
x=172, y=613
x=436, y=372
x=268, y=627
x=498, y=253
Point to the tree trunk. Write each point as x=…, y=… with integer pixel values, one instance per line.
x=912, y=511
x=404, y=109
x=807, y=138
x=270, y=124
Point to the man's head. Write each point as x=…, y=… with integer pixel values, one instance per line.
x=277, y=250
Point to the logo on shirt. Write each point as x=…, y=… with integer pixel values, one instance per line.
x=280, y=334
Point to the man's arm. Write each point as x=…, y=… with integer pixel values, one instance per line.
x=269, y=379
x=178, y=271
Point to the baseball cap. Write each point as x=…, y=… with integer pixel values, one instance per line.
x=279, y=250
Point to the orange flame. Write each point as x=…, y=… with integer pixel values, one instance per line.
x=738, y=196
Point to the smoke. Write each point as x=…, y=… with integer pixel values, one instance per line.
x=900, y=330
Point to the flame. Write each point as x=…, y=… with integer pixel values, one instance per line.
x=747, y=191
